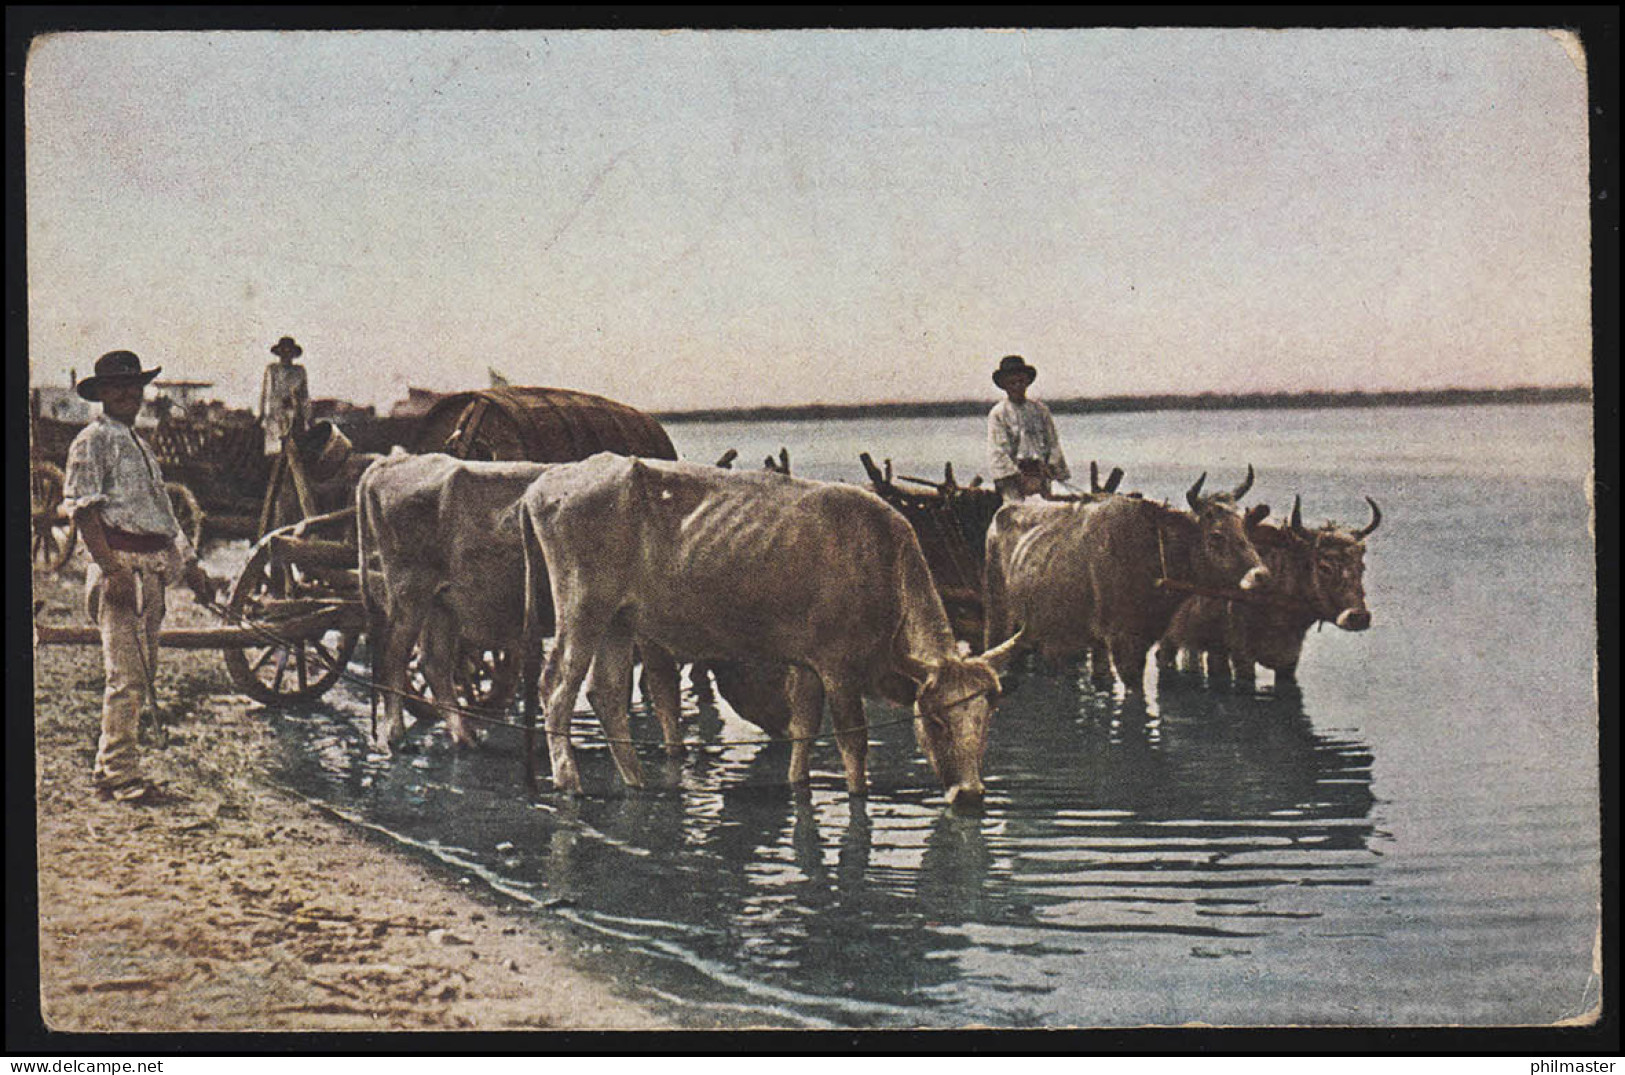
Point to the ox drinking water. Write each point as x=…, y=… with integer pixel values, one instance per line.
x=822, y=577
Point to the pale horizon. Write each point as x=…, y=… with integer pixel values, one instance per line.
x=696, y=219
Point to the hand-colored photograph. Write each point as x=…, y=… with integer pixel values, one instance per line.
x=838, y=529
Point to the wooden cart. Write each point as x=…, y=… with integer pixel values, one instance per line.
x=294, y=610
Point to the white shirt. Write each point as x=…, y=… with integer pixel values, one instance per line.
x=1017, y=431
x=110, y=466
x=284, y=398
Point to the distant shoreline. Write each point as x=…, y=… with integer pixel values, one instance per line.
x=1206, y=401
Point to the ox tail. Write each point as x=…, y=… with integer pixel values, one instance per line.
x=995, y=600
x=363, y=532
x=528, y=542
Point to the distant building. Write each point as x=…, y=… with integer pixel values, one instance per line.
x=417, y=403
x=62, y=404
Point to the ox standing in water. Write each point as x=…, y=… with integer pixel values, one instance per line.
x=1074, y=575
x=1321, y=572
x=442, y=560
x=443, y=566
x=825, y=578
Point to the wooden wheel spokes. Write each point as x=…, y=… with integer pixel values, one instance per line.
x=52, y=541
x=316, y=656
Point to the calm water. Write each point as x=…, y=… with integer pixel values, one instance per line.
x=1411, y=838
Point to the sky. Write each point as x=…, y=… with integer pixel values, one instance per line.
x=687, y=219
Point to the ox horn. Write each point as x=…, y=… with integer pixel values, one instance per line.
x=1193, y=495
x=1000, y=655
x=1241, y=490
x=1094, y=476
x=1376, y=520
x=1296, y=522
x=1113, y=478
x=915, y=669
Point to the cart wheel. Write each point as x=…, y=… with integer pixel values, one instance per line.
x=187, y=512
x=485, y=680
x=52, y=545
x=283, y=671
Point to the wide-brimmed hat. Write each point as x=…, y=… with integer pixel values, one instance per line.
x=286, y=348
x=1013, y=364
x=115, y=367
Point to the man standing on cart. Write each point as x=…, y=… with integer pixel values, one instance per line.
x=1023, y=449
x=114, y=490
x=284, y=396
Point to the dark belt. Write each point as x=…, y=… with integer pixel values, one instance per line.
x=125, y=541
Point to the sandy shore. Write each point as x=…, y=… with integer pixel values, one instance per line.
x=240, y=907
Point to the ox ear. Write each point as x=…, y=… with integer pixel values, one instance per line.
x=1256, y=514
x=999, y=656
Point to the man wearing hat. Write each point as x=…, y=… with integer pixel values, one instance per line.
x=114, y=490
x=284, y=396
x=1023, y=449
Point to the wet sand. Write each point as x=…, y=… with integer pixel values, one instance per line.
x=242, y=908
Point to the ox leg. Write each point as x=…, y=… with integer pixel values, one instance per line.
x=1129, y=654
x=806, y=714
x=1242, y=670
x=1218, y=665
x=439, y=652
x=394, y=653
x=566, y=667
x=661, y=681
x=851, y=734
x=610, y=692
x=1100, y=666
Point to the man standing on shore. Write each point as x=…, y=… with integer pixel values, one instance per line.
x=1023, y=449
x=114, y=490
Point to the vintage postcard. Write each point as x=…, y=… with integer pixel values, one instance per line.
x=1069, y=528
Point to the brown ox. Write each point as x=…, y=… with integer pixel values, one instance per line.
x=443, y=563
x=755, y=566
x=1072, y=576
x=1319, y=577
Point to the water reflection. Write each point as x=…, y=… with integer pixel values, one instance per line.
x=1208, y=813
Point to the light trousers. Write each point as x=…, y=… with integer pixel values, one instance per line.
x=129, y=657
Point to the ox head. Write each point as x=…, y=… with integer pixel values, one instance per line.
x=1224, y=552
x=1332, y=563
x=953, y=709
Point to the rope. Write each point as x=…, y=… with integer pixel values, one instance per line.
x=483, y=717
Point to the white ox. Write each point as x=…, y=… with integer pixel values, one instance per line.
x=823, y=577
x=445, y=535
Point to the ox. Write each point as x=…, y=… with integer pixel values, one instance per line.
x=1074, y=576
x=1318, y=577
x=758, y=567
x=446, y=538
x=449, y=569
